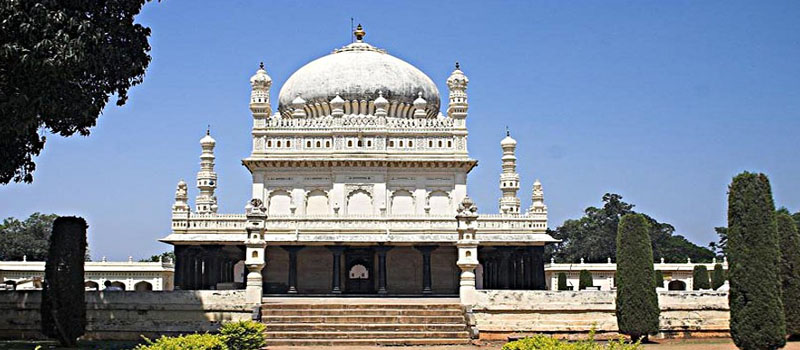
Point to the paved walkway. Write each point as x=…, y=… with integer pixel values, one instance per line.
x=360, y=300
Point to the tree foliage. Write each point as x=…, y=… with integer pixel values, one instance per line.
x=28, y=238
x=63, y=307
x=717, y=277
x=585, y=280
x=790, y=271
x=593, y=236
x=165, y=256
x=757, y=319
x=720, y=247
x=700, y=278
x=59, y=63
x=562, y=281
x=637, y=302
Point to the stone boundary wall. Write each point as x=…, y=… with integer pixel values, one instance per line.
x=500, y=314
x=129, y=315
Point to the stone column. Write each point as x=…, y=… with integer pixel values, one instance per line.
x=336, y=284
x=467, y=244
x=426, y=267
x=382, y=250
x=255, y=250
x=292, y=249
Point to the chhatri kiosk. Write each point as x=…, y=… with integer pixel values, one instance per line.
x=359, y=187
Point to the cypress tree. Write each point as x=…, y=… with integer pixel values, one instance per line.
x=637, y=301
x=717, y=277
x=585, y=280
x=63, y=307
x=757, y=320
x=562, y=281
x=700, y=278
x=659, y=279
x=790, y=272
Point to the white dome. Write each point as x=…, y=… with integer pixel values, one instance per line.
x=357, y=72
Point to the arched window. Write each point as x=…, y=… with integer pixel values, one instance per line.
x=327, y=144
x=359, y=203
x=279, y=144
x=318, y=144
x=279, y=202
x=308, y=144
x=439, y=203
x=143, y=286
x=288, y=144
x=360, y=143
x=317, y=203
x=402, y=203
x=349, y=143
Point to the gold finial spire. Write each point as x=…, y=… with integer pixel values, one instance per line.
x=359, y=32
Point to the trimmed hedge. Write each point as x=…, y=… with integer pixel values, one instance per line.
x=185, y=342
x=757, y=318
x=243, y=335
x=790, y=272
x=544, y=342
x=585, y=280
x=658, y=278
x=239, y=335
x=700, y=278
x=562, y=281
x=717, y=277
x=63, y=307
x=637, y=302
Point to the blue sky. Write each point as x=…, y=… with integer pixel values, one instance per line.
x=659, y=101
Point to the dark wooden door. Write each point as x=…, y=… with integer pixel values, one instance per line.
x=359, y=272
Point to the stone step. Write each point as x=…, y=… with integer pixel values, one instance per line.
x=361, y=306
x=368, y=342
x=362, y=319
x=380, y=327
x=361, y=312
x=328, y=335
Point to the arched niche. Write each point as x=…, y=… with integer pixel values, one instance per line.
x=317, y=203
x=439, y=202
x=91, y=285
x=402, y=203
x=143, y=286
x=279, y=202
x=359, y=202
x=676, y=285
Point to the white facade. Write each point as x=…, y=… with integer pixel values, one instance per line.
x=129, y=275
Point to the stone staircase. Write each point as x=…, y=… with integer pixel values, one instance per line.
x=339, y=321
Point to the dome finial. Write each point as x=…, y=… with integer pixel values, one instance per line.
x=458, y=66
x=208, y=130
x=508, y=133
x=359, y=32
x=261, y=65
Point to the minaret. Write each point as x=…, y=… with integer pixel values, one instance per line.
x=206, y=201
x=537, y=199
x=457, y=84
x=509, y=179
x=259, y=96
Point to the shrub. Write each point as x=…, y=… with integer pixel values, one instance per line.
x=63, y=307
x=757, y=319
x=717, y=277
x=244, y=335
x=543, y=342
x=658, y=278
x=700, y=278
x=585, y=280
x=562, y=281
x=185, y=342
x=790, y=272
x=637, y=302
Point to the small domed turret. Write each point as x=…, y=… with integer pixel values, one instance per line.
x=261, y=79
x=419, y=106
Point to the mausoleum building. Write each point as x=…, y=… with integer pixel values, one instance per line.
x=359, y=186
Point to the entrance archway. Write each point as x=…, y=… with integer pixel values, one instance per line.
x=676, y=285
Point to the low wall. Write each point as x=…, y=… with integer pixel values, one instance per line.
x=500, y=314
x=128, y=315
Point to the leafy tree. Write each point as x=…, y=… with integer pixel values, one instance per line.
x=562, y=281
x=637, y=301
x=659, y=279
x=26, y=238
x=720, y=247
x=790, y=271
x=700, y=278
x=63, y=307
x=717, y=277
x=593, y=236
x=165, y=256
x=59, y=63
x=585, y=280
x=757, y=319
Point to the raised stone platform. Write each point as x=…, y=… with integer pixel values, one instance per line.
x=364, y=321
